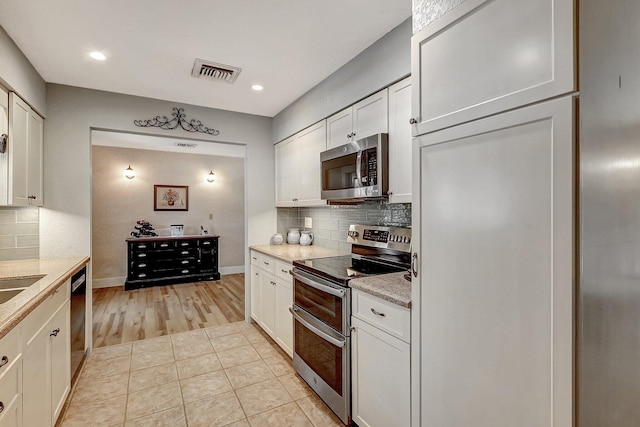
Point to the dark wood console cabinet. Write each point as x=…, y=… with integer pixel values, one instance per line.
x=153, y=261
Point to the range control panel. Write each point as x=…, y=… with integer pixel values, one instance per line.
x=380, y=236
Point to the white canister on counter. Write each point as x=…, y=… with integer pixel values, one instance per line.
x=293, y=236
x=306, y=237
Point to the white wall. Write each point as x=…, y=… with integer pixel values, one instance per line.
x=18, y=75
x=73, y=112
x=381, y=64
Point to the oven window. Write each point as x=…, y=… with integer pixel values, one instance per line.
x=340, y=173
x=323, y=358
x=322, y=305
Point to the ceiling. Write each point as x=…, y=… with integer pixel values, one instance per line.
x=288, y=46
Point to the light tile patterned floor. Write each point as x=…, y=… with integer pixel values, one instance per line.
x=229, y=375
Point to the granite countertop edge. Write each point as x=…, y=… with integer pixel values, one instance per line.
x=392, y=287
x=55, y=272
x=290, y=253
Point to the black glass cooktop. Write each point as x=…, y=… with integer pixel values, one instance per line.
x=341, y=269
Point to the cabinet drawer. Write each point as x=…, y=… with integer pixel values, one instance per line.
x=11, y=381
x=10, y=349
x=164, y=245
x=142, y=246
x=267, y=263
x=187, y=244
x=382, y=314
x=38, y=317
x=11, y=416
x=282, y=270
x=206, y=243
x=185, y=253
x=255, y=258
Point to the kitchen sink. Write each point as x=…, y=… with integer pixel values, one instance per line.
x=9, y=288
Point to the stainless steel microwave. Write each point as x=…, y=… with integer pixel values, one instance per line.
x=357, y=170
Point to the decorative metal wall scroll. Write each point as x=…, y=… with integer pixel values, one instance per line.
x=178, y=120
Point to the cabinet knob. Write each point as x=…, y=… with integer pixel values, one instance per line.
x=412, y=121
x=31, y=197
x=55, y=332
x=4, y=361
x=389, y=193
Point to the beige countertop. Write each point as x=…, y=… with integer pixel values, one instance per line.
x=54, y=271
x=289, y=253
x=391, y=287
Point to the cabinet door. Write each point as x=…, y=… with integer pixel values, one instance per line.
x=34, y=159
x=370, y=115
x=256, y=302
x=283, y=318
x=495, y=286
x=310, y=143
x=400, y=142
x=60, y=349
x=339, y=128
x=17, y=151
x=36, y=377
x=485, y=57
x=267, y=303
x=286, y=170
x=381, y=378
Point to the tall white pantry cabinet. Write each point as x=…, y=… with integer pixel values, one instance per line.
x=494, y=96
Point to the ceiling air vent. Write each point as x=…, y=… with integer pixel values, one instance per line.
x=186, y=145
x=213, y=71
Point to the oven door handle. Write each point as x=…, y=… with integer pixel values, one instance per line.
x=338, y=343
x=316, y=283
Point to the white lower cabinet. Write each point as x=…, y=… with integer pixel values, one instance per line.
x=11, y=379
x=271, y=297
x=380, y=368
x=46, y=360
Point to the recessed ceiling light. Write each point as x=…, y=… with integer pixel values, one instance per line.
x=99, y=56
x=257, y=88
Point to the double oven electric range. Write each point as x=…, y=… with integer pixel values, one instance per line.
x=322, y=308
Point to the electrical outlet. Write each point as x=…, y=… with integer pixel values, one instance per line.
x=308, y=222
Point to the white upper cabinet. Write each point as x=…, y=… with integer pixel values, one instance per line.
x=297, y=162
x=21, y=164
x=400, y=142
x=365, y=118
x=488, y=56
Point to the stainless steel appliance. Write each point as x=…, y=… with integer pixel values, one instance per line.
x=322, y=308
x=78, y=309
x=358, y=170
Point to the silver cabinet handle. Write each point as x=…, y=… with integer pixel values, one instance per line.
x=412, y=121
x=265, y=262
x=414, y=264
x=377, y=313
x=284, y=271
x=55, y=332
x=4, y=361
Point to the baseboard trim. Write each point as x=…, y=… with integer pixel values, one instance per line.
x=111, y=282
x=232, y=270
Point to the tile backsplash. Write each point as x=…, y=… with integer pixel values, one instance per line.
x=330, y=223
x=19, y=233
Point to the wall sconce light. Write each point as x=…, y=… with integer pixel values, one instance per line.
x=129, y=173
x=211, y=176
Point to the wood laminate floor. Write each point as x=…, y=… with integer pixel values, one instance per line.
x=124, y=316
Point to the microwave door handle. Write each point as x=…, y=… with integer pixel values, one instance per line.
x=359, y=169
x=318, y=332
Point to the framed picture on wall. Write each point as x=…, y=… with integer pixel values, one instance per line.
x=170, y=198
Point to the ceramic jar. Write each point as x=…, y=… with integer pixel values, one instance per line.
x=277, y=239
x=293, y=236
x=306, y=237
